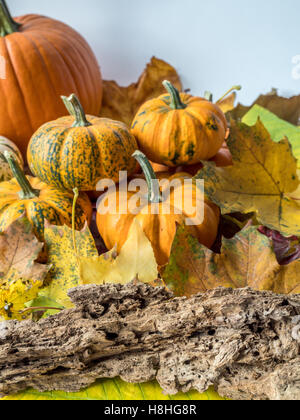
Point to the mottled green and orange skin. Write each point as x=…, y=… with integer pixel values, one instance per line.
x=175, y=137
x=79, y=157
x=52, y=205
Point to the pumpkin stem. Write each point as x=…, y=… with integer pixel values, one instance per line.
x=27, y=192
x=7, y=24
x=154, y=195
x=76, y=195
x=208, y=96
x=229, y=91
x=176, y=102
x=76, y=110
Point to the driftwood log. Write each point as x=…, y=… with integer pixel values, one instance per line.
x=245, y=343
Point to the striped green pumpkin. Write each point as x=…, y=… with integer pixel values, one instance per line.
x=39, y=202
x=78, y=151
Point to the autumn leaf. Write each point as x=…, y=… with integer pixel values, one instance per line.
x=262, y=180
x=19, y=250
x=135, y=261
x=277, y=127
x=13, y=298
x=122, y=103
x=64, y=273
x=246, y=260
x=287, y=250
x=115, y=390
x=287, y=109
x=227, y=104
x=227, y=101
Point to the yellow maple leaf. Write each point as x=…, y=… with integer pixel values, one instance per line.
x=262, y=180
x=64, y=272
x=135, y=261
x=247, y=260
x=227, y=102
x=14, y=297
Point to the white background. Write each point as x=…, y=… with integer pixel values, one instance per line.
x=214, y=44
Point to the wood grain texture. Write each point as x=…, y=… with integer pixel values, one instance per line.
x=243, y=342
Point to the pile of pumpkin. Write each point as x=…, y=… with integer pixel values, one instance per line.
x=175, y=131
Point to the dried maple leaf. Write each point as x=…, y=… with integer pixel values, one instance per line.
x=122, y=103
x=19, y=250
x=135, y=261
x=286, y=108
x=246, y=260
x=64, y=273
x=262, y=179
x=13, y=298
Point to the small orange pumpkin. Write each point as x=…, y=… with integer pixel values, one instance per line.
x=160, y=228
x=179, y=129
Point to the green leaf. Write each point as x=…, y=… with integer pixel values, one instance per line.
x=277, y=128
x=116, y=390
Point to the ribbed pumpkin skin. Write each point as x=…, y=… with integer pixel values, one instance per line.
x=175, y=137
x=78, y=157
x=160, y=229
x=8, y=146
x=44, y=60
x=51, y=205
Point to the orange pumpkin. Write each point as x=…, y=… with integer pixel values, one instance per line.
x=160, y=228
x=222, y=159
x=44, y=59
x=179, y=129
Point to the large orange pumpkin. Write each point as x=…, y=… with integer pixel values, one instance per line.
x=179, y=129
x=43, y=59
x=160, y=228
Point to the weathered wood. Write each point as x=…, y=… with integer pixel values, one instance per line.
x=243, y=342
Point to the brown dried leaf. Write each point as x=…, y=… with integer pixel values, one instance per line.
x=19, y=249
x=287, y=109
x=122, y=103
x=246, y=260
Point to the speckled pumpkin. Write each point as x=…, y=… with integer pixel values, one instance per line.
x=159, y=228
x=39, y=202
x=8, y=146
x=179, y=129
x=78, y=151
